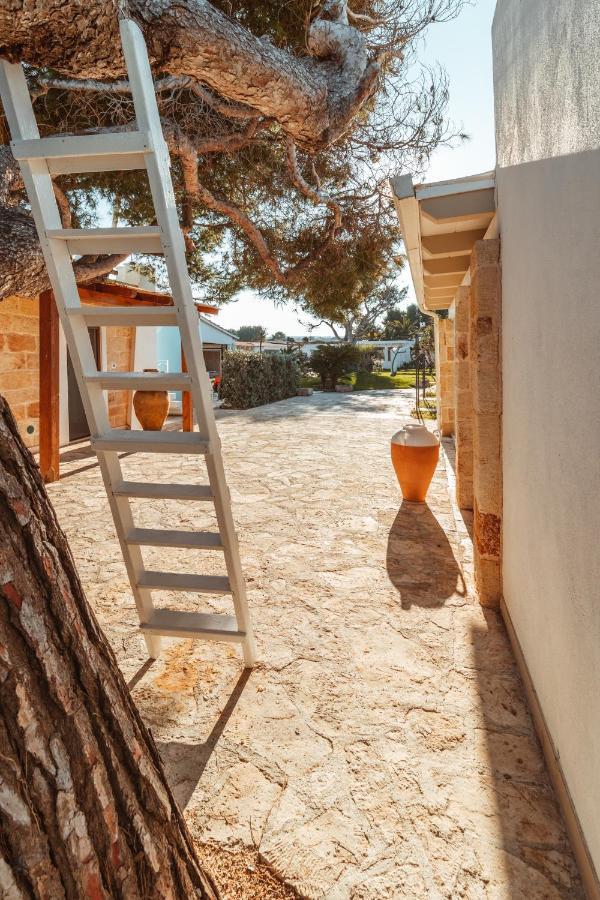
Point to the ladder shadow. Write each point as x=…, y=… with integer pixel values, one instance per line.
x=184, y=764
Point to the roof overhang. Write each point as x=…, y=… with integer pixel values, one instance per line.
x=117, y=293
x=440, y=223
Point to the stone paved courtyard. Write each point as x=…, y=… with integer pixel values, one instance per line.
x=382, y=747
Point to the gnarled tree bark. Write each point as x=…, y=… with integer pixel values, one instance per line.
x=85, y=808
x=313, y=97
x=211, y=70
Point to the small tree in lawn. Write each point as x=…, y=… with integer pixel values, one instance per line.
x=331, y=361
x=250, y=333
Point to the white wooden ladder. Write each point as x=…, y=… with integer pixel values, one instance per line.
x=145, y=148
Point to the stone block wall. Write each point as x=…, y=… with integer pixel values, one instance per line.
x=445, y=387
x=486, y=386
x=463, y=398
x=20, y=364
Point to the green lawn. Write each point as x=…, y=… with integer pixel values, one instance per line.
x=372, y=381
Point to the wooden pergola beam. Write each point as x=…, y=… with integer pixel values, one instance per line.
x=187, y=409
x=49, y=388
x=101, y=294
x=119, y=295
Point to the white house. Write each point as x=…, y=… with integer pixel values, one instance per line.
x=262, y=346
x=395, y=353
x=159, y=347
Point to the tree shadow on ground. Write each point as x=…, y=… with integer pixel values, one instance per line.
x=321, y=402
x=537, y=859
x=185, y=763
x=420, y=561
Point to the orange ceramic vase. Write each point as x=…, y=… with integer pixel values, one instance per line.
x=151, y=407
x=415, y=455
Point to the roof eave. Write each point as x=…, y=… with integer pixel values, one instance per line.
x=431, y=213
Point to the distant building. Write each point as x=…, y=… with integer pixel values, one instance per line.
x=395, y=353
x=264, y=347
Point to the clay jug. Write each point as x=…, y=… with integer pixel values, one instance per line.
x=151, y=407
x=415, y=454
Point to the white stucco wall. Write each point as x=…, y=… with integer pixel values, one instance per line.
x=547, y=94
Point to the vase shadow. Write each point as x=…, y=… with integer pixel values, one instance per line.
x=420, y=560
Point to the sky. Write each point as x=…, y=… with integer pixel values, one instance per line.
x=463, y=48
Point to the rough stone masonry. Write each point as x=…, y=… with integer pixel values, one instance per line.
x=382, y=749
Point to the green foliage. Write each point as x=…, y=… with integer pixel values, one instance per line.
x=369, y=358
x=402, y=324
x=330, y=277
x=371, y=381
x=250, y=333
x=332, y=361
x=253, y=379
x=422, y=353
x=278, y=336
x=383, y=381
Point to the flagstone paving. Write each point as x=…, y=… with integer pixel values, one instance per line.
x=382, y=747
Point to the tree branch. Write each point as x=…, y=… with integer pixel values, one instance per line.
x=314, y=195
x=64, y=208
x=186, y=151
x=311, y=327
x=161, y=85
x=88, y=268
x=312, y=97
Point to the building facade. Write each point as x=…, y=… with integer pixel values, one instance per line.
x=513, y=256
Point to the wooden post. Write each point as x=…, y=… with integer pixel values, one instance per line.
x=129, y=413
x=186, y=401
x=49, y=389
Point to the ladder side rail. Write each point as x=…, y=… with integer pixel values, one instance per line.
x=23, y=126
x=38, y=183
x=158, y=166
x=161, y=186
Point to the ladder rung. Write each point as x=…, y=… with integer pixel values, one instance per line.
x=126, y=315
x=162, y=537
x=176, y=581
x=172, y=623
x=66, y=154
x=150, y=442
x=151, y=491
x=141, y=381
x=139, y=239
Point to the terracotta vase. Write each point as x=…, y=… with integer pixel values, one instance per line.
x=415, y=455
x=151, y=407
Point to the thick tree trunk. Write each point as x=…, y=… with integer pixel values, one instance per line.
x=85, y=809
x=313, y=98
x=22, y=267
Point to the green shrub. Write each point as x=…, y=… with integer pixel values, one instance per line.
x=332, y=361
x=253, y=379
x=370, y=359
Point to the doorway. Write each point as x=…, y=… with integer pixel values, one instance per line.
x=78, y=426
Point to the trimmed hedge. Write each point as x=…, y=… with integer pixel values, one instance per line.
x=253, y=379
